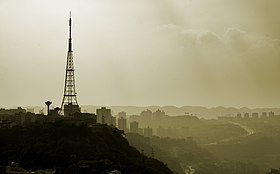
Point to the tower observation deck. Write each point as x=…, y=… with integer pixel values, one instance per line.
x=70, y=104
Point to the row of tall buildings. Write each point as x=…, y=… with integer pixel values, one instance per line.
x=104, y=116
x=255, y=115
x=20, y=116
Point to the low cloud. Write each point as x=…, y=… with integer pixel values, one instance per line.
x=234, y=61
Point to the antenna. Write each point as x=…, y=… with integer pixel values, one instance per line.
x=70, y=104
x=70, y=34
x=70, y=21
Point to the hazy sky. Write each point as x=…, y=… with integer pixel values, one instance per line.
x=142, y=52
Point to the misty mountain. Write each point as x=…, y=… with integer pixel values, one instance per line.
x=199, y=111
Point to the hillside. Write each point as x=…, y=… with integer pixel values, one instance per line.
x=74, y=149
x=182, y=155
x=260, y=148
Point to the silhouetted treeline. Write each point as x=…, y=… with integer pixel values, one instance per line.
x=73, y=148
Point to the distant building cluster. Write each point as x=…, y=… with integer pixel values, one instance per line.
x=147, y=123
x=20, y=117
x=104, y=116
x=157, y=123
x=253, y=115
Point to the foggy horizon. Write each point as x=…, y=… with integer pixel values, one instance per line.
x=140, y=87
x=142, y=53
x=139, y=106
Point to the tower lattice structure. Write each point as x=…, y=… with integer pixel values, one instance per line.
x=70, y=104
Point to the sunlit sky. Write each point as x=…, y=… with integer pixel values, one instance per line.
x=142, y=52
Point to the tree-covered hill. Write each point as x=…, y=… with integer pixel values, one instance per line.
x=73, y=148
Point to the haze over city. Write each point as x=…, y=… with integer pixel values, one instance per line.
x=202, y=52
x=139, y=87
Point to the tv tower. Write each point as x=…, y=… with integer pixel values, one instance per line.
x=70, y=104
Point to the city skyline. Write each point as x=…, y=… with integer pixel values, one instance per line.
x=142, y=53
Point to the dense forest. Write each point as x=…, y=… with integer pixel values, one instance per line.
x=70, y=148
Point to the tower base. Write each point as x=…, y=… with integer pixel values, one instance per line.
x=70, y=110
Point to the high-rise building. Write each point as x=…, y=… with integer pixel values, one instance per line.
x=264, y=114
x=146, y=115
x=70, y=104
x=161, y=132
x=122, y=124
x=158, y=114
x=271, y=114
x=104, y=116
x=145, y=118
x=134, y=127
x=239, y=115
x=255, y=115
x=140, y=131
x=113, y=121
x=148, y=132
x=121, y=115
x=246, y=115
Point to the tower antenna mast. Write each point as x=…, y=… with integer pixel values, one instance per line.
x=69, y=105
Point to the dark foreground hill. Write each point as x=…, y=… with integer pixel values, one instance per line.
x=69, y=148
